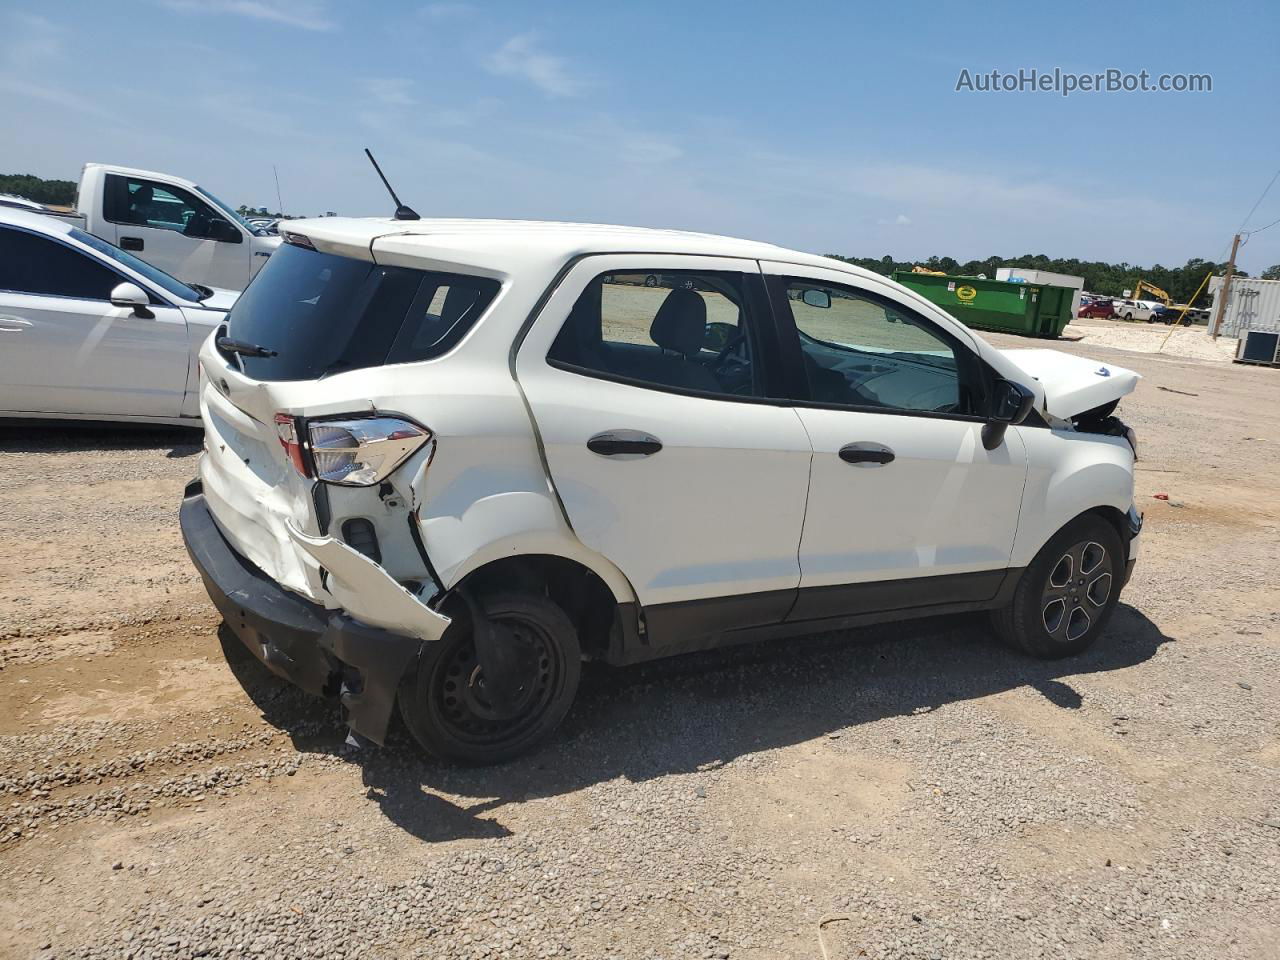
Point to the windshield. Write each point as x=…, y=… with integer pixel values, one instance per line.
x=231, y=214
x=322, y=314
x=158, y=277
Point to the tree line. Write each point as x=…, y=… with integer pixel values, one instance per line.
x=1109, y=279
x=57, y=193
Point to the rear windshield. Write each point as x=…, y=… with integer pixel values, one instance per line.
x=322, y=314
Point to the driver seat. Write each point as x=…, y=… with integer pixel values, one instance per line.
x=679, y=329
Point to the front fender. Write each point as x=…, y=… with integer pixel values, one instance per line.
x=1068, y=474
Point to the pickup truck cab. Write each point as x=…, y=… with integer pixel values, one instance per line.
x=172, y=223
x=446, y=460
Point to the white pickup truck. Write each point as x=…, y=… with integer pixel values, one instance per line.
x=173, y=224
x=1140, y=310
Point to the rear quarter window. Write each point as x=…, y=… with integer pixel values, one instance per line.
x=323, y=314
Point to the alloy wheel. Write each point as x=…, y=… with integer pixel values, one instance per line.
x=1076, y=591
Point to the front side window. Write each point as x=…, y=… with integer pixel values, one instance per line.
x=33, y=264
x=154, y=274
x=863, y=351
x=678, y=330
x=161, y=206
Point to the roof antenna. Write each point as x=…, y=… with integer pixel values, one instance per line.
x=402, y=212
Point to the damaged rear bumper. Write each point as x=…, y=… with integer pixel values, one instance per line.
x=324, y=652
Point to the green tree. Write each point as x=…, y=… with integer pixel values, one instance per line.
x=61, y=193
x=1271, y=273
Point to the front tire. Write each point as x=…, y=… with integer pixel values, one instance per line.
x=1067, y=593
x=443, y=700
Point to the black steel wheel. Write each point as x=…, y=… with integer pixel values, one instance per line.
x=1067, y=593
x=455, y=715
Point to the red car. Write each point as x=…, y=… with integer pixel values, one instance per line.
x=1099, y=309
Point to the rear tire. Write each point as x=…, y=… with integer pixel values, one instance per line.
x=442, y=700
x=1067, y=593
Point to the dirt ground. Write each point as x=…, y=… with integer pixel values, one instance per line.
x=908, y=791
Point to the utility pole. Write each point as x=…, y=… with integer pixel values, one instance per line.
x=1226, y=289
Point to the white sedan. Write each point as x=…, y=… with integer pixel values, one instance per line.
x=90, y=332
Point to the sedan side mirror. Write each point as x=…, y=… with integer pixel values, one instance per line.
x=133, y=296
x=1010, y=403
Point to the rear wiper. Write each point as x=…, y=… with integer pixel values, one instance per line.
x=228, y=345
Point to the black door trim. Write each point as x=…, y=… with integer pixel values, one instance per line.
x=688, y=626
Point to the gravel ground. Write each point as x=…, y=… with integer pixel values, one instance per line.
x=904, y=792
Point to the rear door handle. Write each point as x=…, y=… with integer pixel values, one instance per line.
x=866, y=454
x=13, y=324
x=624, y=444
x=130, y=243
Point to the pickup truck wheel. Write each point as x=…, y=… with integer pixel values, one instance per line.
x=1067, y=594
x=444, y=702
x=1128, y=317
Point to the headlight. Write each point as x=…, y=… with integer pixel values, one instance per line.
x=364, y=451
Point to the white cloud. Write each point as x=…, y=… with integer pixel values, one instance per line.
x=520, y=57
x=901, y=220
x=34, y=48
x=389, y=91
x=643, y=148
x=305, y=14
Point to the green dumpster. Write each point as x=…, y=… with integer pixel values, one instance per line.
x=1031, y=309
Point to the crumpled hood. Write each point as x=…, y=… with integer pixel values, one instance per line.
x=1073, y=385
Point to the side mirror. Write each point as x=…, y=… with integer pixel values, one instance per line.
x=1010, y=403
x=718, y=335
x=817, y=298
x=224, y=231
x=133, y=296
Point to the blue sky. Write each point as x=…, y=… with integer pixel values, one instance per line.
x=831, y=128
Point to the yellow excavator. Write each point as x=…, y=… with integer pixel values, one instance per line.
x=1151, y=288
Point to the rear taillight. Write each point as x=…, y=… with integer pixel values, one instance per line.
x=287, y=429
x=362, y=451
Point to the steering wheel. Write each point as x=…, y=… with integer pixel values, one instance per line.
x=727, y=349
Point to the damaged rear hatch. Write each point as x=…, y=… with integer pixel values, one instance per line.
x=304, y=476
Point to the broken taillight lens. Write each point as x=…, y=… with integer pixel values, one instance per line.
x=362, y=451
x=287, y=429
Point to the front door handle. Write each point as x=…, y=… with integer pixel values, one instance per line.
x=13, y=324
x=130, y=243
x=624, y=444
x=866, y=454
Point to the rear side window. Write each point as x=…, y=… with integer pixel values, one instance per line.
x=34, y=264
x=683, y=331
x=323, y=314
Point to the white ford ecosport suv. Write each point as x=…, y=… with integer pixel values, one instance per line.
x=446, y=460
